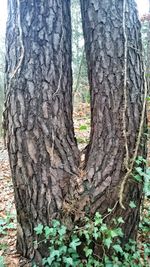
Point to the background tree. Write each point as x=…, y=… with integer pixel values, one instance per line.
x=50, y=181
x=2, y=60
x=145, y=20
x=2, y=64
x=79, y=65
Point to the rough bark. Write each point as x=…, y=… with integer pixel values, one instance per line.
x=44, y=158
x=105, y=52
x=40, y=137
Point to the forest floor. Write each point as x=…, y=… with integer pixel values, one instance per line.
x=7, y=205
x=7, y=213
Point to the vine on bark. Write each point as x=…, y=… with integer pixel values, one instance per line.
x=130, y=168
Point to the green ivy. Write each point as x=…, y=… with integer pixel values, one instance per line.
x=6, y=224
x=141, y=174
x=2, y=261
x=65, y=247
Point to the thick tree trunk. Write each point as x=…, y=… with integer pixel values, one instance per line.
x=111, y=57
x=44, y=157
x=40, y=138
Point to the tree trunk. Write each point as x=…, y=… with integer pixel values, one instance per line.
x=44, y=158
x=113, y=50
x=40, y=137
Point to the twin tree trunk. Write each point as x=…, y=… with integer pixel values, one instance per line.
x=45, y=161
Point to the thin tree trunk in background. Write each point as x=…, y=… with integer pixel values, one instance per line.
x=40, y=137
x=105, y=52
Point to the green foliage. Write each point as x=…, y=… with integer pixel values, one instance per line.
x=141, y=174
x=147, y=182
x=65, y=247
x=82, y=140
x=6, y=224
x=83, y=127
x=2, y=261
x=132, y=205
x=144, y=226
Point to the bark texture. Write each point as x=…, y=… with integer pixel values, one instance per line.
x=40, y=138
x=105, y=52
x=44, y=158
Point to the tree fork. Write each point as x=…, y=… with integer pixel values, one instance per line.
x=49, y=181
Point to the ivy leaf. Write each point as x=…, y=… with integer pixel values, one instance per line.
x=39, y=229
x=119, y=232
x=132, y=205
x=120, y=220
x=118, y=248
x=55, y=223
x=48, y=231
x=49, y=260
x=113, y=233
x=54, y=253
x=98, y=219
x=139, y=170
x=96, y=233
x=108, y=242
x=147, y=182
x=109, y=210
x=109, y=264
x=138, y=178
x=68, y=260
x=62, y=250
x=103, y=228
x=75, y=243
x=62, y=230
x=88, y=251
x=140, y=160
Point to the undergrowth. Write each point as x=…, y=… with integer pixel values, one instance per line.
x=6, y=223
x=65, y=247
x=77, y=247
